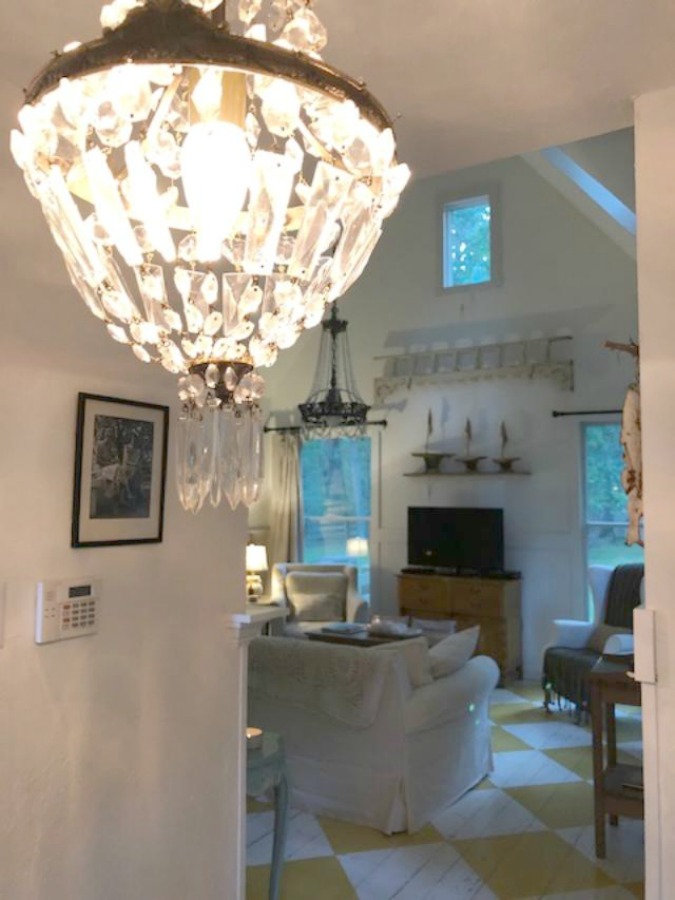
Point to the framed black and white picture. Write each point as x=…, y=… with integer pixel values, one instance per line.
x=120, y=471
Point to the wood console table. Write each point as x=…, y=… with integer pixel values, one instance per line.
x=492, y=603
x=617, y=788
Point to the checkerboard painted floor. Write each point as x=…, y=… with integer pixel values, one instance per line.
x=525, y=832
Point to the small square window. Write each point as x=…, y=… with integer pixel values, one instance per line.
x=467, y=240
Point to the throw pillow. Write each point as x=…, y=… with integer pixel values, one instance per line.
x=453, y=652
x=602, y=634
x=416, y=655
x=317, y=596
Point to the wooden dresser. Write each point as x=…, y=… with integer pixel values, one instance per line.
x=492, y=603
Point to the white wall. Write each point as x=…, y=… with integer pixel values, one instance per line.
x=561, y=275
x=118, y=752
x=655, y=176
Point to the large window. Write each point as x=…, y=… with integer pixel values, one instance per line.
x=605, y=515
x=467, y=242
x=336, y=503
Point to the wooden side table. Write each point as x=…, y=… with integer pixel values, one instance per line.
x=265, y=769
x=617, y=788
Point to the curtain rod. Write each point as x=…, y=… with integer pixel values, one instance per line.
x=289, y=429
x=585, y=412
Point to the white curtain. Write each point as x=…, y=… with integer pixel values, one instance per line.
x=285, y=499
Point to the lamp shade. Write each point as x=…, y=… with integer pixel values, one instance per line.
x=256, y=558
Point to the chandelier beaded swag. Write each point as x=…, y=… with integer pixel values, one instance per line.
x=212, y=185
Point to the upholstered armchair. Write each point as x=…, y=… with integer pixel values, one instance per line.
x=578, y=645
x=318, y=594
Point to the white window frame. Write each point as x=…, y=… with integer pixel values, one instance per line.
x=584, y=523
x=365, y=591
x=457, y=200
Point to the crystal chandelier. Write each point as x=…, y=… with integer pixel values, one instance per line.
x=212, y=185
x=334, y=405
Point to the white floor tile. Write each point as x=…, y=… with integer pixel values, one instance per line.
x=304, y=840
x=625, y=859
x=502, y=695
x=410, y=873
x=445, y=875
x=522, y=767
x=258, y=825
x=485, y=813
x=550, y=735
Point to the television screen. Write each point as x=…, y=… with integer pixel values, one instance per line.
x=459, y=538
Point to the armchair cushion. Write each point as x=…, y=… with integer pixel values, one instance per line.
x=453, y=652
x=317, y=596
x=602, y=634
x=572, y=633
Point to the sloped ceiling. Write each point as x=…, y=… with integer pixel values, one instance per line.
x=473, y=80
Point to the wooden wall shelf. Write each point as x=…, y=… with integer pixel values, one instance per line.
x=461, y=474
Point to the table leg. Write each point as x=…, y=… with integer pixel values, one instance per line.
x=279, y=845
x=598, y=792
x=610, y=715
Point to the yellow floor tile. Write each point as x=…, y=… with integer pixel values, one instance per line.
x=254, y=806
x=345, y=837
x=484, y=785
x=306, y=879
x=517, y=713
x=637, y=889
x=529, y=690
x=577, y=759
x=580, y=759
x=503, y=741
x=525, y=865
x=557, y=805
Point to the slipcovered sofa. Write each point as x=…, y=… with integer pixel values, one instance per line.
x=371, y=737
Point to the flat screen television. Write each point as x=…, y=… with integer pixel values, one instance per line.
x=460, y=538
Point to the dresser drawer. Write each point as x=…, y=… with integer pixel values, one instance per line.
x=479, y=598
x=425, y=593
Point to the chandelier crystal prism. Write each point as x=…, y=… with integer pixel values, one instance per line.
x=212, y=185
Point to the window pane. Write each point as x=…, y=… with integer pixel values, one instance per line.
x=605, y=509
x=336, y=503
x=466, y=243
x=606, y=546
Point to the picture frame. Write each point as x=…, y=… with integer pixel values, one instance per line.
x=120, y=471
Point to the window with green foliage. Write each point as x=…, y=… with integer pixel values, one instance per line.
x=335, y=479
x=467, y=239
x=605, y=512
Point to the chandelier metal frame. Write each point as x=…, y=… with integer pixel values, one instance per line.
x=171, y=32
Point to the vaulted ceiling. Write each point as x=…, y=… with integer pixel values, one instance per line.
x=472, y=80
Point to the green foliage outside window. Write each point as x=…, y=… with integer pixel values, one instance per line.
x=605, y=501
x=335, y=481
x=467, y=242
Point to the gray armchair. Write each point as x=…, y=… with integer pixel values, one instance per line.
x=318, y=594
x=578, y=645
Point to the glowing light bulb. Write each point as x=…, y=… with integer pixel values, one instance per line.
x=216, y=166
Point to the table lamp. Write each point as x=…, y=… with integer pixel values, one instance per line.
x=256, y=562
